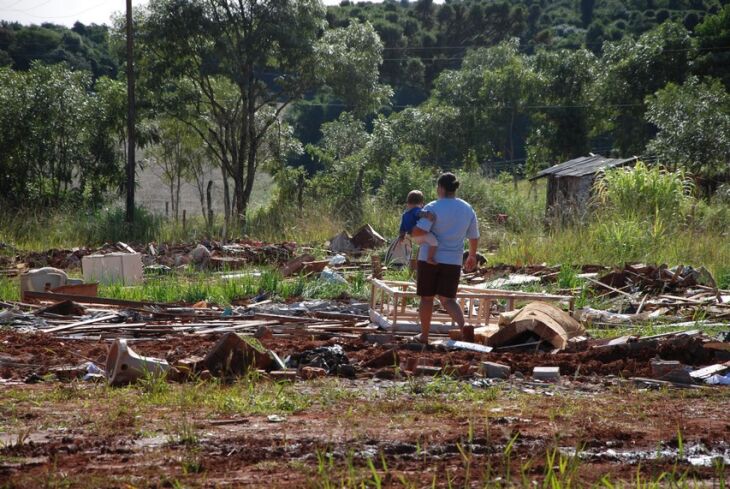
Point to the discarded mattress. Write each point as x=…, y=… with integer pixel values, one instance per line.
x=546, y=321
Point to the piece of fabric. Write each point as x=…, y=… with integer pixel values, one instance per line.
x=437, y=279
x=409, y=219
x=455, y=222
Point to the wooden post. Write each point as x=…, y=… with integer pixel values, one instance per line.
x=129, y=217
x=184, y=219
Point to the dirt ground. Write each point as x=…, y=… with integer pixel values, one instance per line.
x=382, y=428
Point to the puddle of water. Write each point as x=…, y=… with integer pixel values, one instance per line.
x=694, y=454
x=151, y=441
x=13, y=439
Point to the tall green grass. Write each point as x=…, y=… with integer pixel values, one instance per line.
x=645, y=214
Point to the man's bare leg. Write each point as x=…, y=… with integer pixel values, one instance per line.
x=425, y=312
x=454, y=310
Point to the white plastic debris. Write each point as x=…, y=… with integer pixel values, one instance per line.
x=337, y=260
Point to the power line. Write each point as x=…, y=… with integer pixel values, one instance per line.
x=46, y=17
x=496, y=107
x=28, y=10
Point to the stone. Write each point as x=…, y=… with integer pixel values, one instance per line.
x=263, y=333
x=387, y=373
x=309, y=373
x=546, y=373
x=388, y=358
x=347, y=371
x=200, y=255
x=671, y=371
x=493, y=370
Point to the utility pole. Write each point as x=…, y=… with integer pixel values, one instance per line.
x=130, y=117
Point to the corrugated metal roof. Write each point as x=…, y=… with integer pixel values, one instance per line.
x=585, y=165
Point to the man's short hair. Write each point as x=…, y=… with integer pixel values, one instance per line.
x=448, y=182
x=415, y=197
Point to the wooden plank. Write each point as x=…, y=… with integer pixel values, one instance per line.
x=81, y=323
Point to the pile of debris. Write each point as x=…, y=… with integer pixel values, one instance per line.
x=213, y=254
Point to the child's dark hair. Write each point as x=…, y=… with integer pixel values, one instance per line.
x=415, y=197
x=448, y=182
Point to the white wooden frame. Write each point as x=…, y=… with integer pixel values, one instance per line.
x=389, y=306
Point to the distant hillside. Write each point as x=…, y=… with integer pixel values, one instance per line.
x=82, y=47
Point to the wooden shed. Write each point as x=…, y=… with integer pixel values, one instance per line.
x=570, y=184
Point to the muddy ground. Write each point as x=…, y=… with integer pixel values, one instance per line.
x=380, y=428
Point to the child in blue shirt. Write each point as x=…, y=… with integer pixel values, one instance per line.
x=415, y=202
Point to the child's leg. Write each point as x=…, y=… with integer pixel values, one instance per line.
x=427, y=238
x=432, y=255
x=432, y=243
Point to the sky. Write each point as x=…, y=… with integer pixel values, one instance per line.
x=66, y=12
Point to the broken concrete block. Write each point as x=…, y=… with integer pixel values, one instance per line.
x=309, y=373
x=427, y=370
x=189, y=365
x=234, y=355
x=461, y=370
x=670, y=370
x=455, y=334
x=493, y=370
x=412, y=364
x=388, y=358
x=289, y=374
x=546, y=373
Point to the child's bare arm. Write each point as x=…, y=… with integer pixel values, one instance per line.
x=428, y=215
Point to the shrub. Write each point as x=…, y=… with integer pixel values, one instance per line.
x=403, y=176
x=644, y=191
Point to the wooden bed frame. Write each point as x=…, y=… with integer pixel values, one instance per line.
x=394, y=305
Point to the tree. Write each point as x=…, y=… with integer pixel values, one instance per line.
x=630, y=71
x=177, y=156
x=693, y=122
x=586, y=11
x=492, y=92
x=562, y=128
x=57, y=136
x=713, y=36
x=267, y=53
